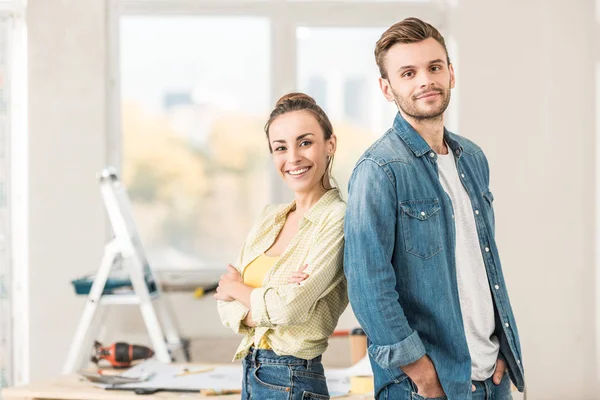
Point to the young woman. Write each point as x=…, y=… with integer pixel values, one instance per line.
x=287, y=289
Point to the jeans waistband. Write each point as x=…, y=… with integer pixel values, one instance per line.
x=262, y=356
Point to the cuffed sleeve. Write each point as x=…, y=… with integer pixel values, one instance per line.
x=232, y=313
x=402, y=353
x=370, y=236
x=260, y=315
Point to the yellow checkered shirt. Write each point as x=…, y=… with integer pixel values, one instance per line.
x=295, y=319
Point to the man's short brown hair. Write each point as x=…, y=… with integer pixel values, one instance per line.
x=409, y=30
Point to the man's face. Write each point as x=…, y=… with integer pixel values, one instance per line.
x=419, y=79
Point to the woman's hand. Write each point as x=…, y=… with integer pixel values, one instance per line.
x=227, y=284
x=233, y=274
x=299, y=276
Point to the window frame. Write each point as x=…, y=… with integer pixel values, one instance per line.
x=14, y=262
x=284, y=17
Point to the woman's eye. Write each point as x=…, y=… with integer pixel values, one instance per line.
x=280, y=148
x=305, y=143
x=408, y=74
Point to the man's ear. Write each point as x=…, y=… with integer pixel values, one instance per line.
x=386, y=89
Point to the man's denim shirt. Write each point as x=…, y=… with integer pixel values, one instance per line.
x=399, y=259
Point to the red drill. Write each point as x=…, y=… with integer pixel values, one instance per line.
x=120, y=355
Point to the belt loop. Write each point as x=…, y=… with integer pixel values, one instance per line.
x=254, y=356
x=308, y=364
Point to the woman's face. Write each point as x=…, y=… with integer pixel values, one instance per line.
x=300, y=150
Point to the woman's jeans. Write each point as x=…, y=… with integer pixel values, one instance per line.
x=268, y=376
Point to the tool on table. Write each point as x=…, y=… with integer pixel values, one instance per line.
x=187, y=372
x=201, y=291
x=213, y=392
x=119, y=354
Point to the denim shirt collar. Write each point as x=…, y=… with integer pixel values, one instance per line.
x=416, y=143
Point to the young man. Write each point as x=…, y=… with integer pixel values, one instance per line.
x=424, y=274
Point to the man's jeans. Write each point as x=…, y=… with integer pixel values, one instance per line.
x=268, y=376
x=484, y=390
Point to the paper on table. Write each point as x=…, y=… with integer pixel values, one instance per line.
x=361, y=368
x=338, y=381
x=167, y=377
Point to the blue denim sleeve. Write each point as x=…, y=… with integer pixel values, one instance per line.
x=370, y=232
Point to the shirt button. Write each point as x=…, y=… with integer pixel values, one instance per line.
x=518, y=361
x=496, y=287
x=432, y=154
x=506, y=325
x=462, y=175
x=477, y=212
x=487, y=249
x=457, y=152
x=423, y=213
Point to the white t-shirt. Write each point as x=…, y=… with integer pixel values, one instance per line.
x=473, y=287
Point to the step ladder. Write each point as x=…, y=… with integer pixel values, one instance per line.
x=124, y=251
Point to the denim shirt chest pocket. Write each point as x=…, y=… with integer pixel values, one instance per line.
x=421, y=227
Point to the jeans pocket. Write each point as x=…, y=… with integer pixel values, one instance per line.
x=417, y=396
x=503, y=390
x=400, y=390
x=309, y=396
x=421, y=227
x=271, y=381
x=310, y=383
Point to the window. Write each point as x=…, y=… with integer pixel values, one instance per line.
x=346, y=87
x=195, y=92
x=196, y=82
x=13, y=210
x=5, y=258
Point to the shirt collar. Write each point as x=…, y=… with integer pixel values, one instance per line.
x=314, y=213
x=416, y=143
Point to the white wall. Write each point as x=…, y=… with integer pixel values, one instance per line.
x=526, y=96
x=67, y=71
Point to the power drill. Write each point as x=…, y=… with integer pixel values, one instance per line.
x=120, y=355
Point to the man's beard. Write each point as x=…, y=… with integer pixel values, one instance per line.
x=410, y=107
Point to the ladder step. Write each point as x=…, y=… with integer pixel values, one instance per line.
x=124, y=298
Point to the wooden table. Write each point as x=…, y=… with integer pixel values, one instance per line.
x=74, y=387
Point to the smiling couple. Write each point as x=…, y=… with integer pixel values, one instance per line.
x=413, y=249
